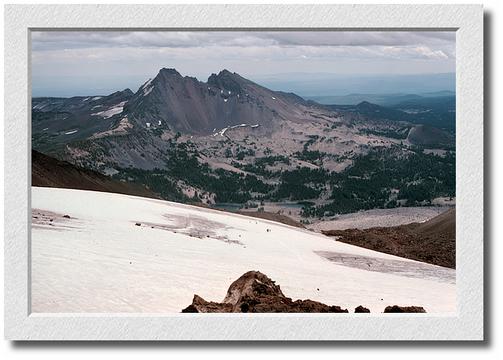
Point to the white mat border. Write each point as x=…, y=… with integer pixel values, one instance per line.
x=467, y=324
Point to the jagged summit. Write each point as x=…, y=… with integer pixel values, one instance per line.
x=169, y=71
x=225, y=80
x=224, y=73
x=170, y=74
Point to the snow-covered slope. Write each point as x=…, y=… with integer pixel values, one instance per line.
x=119, y=253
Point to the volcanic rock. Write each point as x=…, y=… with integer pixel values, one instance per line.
x=255, y=292
x=404, y=309
x=361, y=309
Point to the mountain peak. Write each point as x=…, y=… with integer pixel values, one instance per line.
x=226, y=72
x=185, y=104
x=227, y=80
x=169, y=71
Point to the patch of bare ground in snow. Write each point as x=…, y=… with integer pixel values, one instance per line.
x=44, y=219
x=193, y=226
x=415, y=269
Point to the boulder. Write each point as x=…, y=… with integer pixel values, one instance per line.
x=254, y=292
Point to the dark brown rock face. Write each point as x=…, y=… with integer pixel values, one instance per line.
x=404, y=309
x=201, y=305
x=255, y=292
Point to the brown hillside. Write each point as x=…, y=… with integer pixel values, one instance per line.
x=49, y=172
x=433, y=241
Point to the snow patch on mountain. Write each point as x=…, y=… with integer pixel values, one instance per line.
x=114, y=110
x=224, y=130
x=147, y=87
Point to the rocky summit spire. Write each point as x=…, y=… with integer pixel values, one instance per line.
x=187, y=105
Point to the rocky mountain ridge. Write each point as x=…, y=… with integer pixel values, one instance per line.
x=232, y=140
x=190, y=106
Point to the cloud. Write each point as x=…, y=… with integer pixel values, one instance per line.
x=52, y=40
x=295, y=44
x=116, y=56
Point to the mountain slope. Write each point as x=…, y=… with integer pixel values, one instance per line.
x=58, y=121
x=190, y=106
x=425, y=135
x=49, y=172
x=433, y=241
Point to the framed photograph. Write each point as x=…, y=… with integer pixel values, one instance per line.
x=244, y=172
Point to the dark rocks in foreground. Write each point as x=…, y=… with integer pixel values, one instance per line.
x=404, y=309
x=254, y=292
x=361, y=309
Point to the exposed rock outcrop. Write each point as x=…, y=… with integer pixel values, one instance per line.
x=404, y=309
x=255, y=292
x=361, y=309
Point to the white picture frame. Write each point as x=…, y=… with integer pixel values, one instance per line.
x=467, y=324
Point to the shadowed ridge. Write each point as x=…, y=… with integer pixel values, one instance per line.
x=50, y=172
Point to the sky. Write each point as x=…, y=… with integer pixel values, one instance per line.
x=69, y=63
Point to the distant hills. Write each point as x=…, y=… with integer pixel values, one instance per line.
x=384, y=99
x=315, y=84
x=436, y=111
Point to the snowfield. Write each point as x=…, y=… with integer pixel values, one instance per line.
x=120, y=253
x=114, y=110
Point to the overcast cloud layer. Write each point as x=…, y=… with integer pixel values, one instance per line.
x=78, y=62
